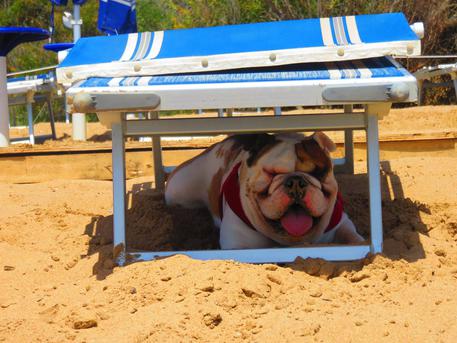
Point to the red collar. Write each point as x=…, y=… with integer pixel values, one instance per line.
x=230, y=191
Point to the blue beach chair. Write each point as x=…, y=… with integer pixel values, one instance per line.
x=326, y=61
x=10, y=37
x=29, y=89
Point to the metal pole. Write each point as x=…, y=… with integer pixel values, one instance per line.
x=67, y=111
x=51, y=118
x=23, y=72
x=79, y=119
x=420, y=92
x=374, y=183
x=119, y=205
x=79, y=127
x=157, y=156
x=348, y=145
x=455, y=86
x=77, y=22
x=30, y=120
x=4, y=114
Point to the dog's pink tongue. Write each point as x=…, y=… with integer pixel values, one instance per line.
x=296, y=222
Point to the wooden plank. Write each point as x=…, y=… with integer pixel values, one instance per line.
x=89, y=165
x=91, y=147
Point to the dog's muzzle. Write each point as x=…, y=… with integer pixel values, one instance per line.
x=295, y=187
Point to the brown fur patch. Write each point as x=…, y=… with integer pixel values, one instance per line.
x=220, y=150
x=214, y=193
x=310, y=153
x=305, y=165
x=256, y=144
x=231, y=155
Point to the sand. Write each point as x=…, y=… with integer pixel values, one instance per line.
x=58, y=282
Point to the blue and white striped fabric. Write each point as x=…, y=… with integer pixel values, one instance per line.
x=44, y=77
x=240, y=46
x=360, y=69
x=30, y=83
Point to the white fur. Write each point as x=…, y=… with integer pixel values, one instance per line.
x=235, y=234
x=189, y=188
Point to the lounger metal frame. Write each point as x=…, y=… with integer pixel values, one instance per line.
x=427, y=73
x=376, y=94
x=368, y=121
x=28, y=92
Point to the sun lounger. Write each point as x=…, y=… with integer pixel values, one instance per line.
x=316, y=62
x=10, y=37
x=427, y=73
x=28, y=89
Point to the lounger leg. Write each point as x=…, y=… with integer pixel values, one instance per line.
x=51, y=118
x=420, y=92
x=455, y=85
x=374, y=183
x=157, y=156
x=30, y=118
x=348, y=146
x=67, y=112
x=79, y=127
x=4, y=114
x=119, y=244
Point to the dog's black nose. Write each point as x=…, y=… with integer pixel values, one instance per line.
x=295, y=186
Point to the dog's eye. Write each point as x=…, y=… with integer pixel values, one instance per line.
x=263, y=194
x=262, y=181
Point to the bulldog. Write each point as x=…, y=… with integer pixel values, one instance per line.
x=266, y=190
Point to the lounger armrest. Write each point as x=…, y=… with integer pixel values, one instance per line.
x=124, y=102
x=373, y=93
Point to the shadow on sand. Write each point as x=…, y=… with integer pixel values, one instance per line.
x=153, y=226
x=104, y=137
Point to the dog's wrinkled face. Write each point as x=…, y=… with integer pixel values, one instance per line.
x=287, y=186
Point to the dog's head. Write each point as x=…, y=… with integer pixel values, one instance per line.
x=287, y=185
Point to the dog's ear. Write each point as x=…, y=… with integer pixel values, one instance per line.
x=324, y=141
x=315, y=149
x=255, y=144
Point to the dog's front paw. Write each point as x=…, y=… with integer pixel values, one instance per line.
x=347, y=233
